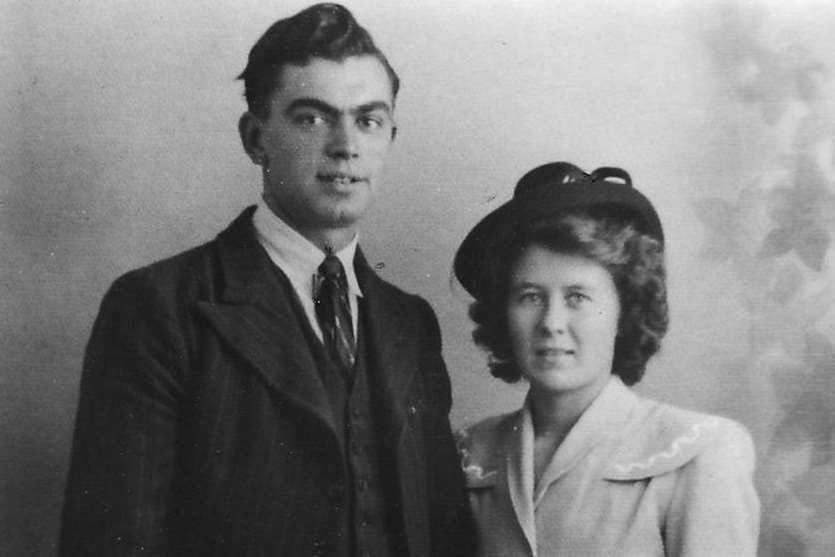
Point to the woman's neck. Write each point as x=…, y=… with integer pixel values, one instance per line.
x=554, y=414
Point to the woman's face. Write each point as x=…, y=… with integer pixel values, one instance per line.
x=563, y=318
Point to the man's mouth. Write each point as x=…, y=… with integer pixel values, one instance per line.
x=339, y=178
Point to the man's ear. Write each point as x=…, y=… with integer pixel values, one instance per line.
x=249, y=128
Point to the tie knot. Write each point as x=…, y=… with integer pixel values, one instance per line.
x=331, y=267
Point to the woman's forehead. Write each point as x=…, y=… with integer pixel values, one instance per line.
x=538, y=264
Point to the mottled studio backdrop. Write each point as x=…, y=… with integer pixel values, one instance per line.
x=118, y=146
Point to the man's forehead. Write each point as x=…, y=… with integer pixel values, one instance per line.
x=352, y=80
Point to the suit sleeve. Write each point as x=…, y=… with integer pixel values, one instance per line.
x=451, y=522
x=715, y=510
x=119, y=487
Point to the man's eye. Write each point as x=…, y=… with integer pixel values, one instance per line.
x=372, y=122
x=308, y=120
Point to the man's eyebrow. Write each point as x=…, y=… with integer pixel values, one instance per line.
x=372, y=106
x=322, y=106
x=309, y=102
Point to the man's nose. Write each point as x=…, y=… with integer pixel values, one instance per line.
x=343, y=140
x=554, y=318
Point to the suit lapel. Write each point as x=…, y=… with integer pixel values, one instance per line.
x=254, y=313
x=395, y=359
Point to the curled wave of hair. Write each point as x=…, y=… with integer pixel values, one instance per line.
x=324, y=30
x=634, y=260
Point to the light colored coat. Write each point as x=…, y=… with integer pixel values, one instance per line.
x=634, y=477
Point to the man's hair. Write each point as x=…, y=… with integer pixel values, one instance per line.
x=326, y=31
x=635, y=262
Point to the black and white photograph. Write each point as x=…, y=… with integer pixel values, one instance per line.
x=471, y=278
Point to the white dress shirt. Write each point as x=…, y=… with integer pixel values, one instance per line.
x=299, y=259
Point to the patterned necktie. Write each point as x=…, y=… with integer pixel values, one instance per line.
x=333, y=311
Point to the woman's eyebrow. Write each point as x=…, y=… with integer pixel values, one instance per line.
x=522, y=285
x=578, y=287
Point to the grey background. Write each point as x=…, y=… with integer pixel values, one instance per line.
x=119, y=147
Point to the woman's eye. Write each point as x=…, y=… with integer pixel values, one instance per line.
x=533, y=298
x=575, y=299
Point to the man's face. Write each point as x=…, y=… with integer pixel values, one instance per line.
x=323, y=146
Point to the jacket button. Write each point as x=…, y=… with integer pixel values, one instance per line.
x=321, y=548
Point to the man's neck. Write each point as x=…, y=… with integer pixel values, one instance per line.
x=329, y=240
x=326, y=239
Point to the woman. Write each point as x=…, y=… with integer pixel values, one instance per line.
x=569, y=286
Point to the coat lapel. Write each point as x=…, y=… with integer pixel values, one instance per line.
x=394, y=358
x=394, y=353
x=254, y=314
x=520, y=475
x=601, y=421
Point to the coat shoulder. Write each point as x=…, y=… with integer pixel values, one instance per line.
x=481, y=448
x=166, y=287
x=369, y=276
x=411, y=310
x=170, y=270
x=181, y=278
x=660, y=438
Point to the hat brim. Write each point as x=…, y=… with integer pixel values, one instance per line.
x=486, y=245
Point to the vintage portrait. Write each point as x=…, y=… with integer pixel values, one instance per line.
x=428, y=279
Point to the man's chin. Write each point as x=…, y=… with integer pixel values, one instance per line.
x=348, y=210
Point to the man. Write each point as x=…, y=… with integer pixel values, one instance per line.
x=267, y=393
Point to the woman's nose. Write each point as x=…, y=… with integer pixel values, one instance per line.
x=554, y=318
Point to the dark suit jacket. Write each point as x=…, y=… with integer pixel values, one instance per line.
x=203, y=427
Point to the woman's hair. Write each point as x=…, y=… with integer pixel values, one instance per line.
x=635, y=262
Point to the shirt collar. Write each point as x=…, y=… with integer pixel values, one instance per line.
x=297, y=256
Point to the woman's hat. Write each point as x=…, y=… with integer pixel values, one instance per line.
x=547, y=191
